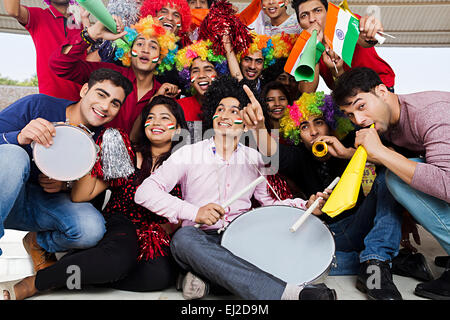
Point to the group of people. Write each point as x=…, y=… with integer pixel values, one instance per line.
x=187, y=105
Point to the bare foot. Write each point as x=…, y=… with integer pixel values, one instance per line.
x=23, y=289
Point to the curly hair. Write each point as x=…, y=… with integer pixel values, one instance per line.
x=151, y=7
x=224, y=87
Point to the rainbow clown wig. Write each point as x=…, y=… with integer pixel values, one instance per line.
x=148, y=27
x=274, y=47
x=202, y=49
x=151, y=7
x=318, y=105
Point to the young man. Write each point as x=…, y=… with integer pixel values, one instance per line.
x=279, y=20
x=148, y=48
x=31, y=201
x=48, y=29
x=209, y=172
x=419, y=122
x=311, y=15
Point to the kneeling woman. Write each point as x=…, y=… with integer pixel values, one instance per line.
x=134, y=253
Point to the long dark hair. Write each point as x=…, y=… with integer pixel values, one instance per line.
x=273, y=85
x=144, y=146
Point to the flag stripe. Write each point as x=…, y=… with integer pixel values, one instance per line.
x=294, y=57
x=340, y=32
x=330, y=26
x=350, y=40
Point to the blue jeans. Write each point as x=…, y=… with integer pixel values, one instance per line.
x=199, y=251
x=372, y=232
x=432, y=213
x=60, y=223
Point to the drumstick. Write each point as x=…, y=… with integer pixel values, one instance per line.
x=240, y=193
x=308, y=212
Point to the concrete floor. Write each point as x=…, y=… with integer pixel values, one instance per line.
x=15, y=264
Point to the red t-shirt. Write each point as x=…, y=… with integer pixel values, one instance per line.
x=48, y=29
x=362, y=57
x=73, y=66
x=191, y=108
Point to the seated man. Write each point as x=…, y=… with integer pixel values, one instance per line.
x=209, y=172
x=31, y=201
x=419, y=122
x=312, y=15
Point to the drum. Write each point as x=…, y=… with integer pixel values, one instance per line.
x=71, y=156
x=262, y=237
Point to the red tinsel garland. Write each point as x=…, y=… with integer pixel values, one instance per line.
x=97, y=170
x=222, y=20
x=280, y=186
x=151, y=238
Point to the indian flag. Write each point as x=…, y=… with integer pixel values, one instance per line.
x=341, y=32
x=304, y=56
x=253, y=16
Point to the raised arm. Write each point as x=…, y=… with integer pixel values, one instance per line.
x=14, y=9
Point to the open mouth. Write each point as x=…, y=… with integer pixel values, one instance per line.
x=157, y=131
x=168, y=25
x=98, y=113
x=277, y=111
x=224, y=124
x=272, y=10
x=251, y=74
x=203, y=85
x=144, y=59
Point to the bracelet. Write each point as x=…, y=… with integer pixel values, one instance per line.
x=69, y=185
x=4, y=138
x=86, y=37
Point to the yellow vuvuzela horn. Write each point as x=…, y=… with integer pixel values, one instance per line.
x=346, y=193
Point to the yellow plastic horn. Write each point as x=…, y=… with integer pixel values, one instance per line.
x=345, y=195
x=319, y=149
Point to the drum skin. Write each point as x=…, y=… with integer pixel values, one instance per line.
x=262, y=237
x=71, y=156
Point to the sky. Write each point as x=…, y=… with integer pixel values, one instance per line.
x=417, y=69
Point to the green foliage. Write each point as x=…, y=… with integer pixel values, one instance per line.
x=31, y=82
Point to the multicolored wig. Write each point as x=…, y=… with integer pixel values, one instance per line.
x=148, y=27
x=274, y=47
x=202, y=49
x=314, y=105
x=151, y=7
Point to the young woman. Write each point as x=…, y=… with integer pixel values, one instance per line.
x=134, y=253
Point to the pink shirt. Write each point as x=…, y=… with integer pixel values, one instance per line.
x=206, y=178
x=48, y=29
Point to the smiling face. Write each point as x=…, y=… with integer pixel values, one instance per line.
x=202, y=75
x=274, y=8
x=313, y=128
x=145, y=54
x=311, y=13
x=367, y=108
x=160, y=125
x=276, y=103
x=227, y=120
x=198, y=4
x=100, y=103
x=252, y=65
x=170, y=18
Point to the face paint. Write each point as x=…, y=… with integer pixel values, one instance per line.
x=171, y=126
x=147, y=123
x=264, y=8
x=281, y=4
x=193, y=79
x=215, y=116
x=213, y=77
x=179, y=25
x=155, y=60
x=161, y=18
x=238, y=121
x=134, y=53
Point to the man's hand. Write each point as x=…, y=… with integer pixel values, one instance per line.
x=369, y=139
x=209, y=214
x=38, y=130
x=324, y=195
x=252, y=114
x=50, y=185
x=99, y=31
x=409, y=226
x=316, y=26
x=169, y=90
x=369, y=26
x=333, y=61
x=336, y=148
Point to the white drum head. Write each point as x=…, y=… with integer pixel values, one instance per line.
x=72, y=155
x=262, y=237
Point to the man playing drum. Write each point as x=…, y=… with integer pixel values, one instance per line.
x=30, y=201
x=210, y=172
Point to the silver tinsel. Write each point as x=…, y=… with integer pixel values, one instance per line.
x=128, y=10
x=116, y=162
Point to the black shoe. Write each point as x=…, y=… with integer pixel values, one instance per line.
x=438, y=289
x=317, y=292
x=414, y=265
x=375, y=280
x=442, y=261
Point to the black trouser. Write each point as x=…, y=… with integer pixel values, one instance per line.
x=111, y=263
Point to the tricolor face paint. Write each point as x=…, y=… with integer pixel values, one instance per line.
x=238, y=121
x=193, y=78
x=147, y=123
x=134, y=53
x=171, y=126
x=155, y=59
